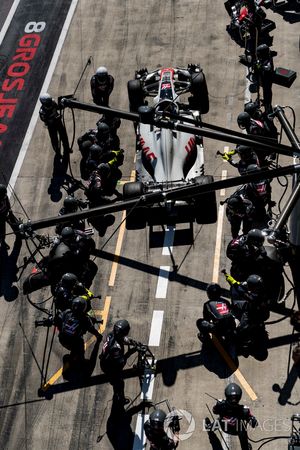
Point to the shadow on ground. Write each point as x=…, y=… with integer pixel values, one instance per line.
x=9, y=270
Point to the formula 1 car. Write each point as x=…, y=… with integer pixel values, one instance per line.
x=166, y=159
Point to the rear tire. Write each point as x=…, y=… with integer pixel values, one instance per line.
x=199, y=99
x=135, y=95
x=206, y=204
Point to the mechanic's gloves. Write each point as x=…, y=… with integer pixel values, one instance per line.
x=228, y=155
x=253, y=422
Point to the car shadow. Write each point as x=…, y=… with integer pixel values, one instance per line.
x=143, y=267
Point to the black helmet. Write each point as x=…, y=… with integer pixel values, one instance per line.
x=253, y=168
x=69, y=280
x=121, y=328
x=255, y=284
x=263, y=51
x=233, y=393
x=79, y=305
x=243, y=119
x=250, y=108
x=101, y=74
x=67, y=233
x=104, y=170
x=70, y=204
x=235, y=202
x=46, y=99
x=103, y=129
x=95, y=151
x=3, y=192
x=157, y=418
x=213, y=291
x=256, y=237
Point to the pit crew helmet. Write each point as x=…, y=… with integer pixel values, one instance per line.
x=121, y=328
x=70, y=204
x=255, y=237
x=101, y=74
x=69, y=280
x=46, y=99
x=103, y=129
x=235, y=203
x=243, y=120
x=263, y=51
x=233, y=393
x=255, y=283
x=251, y=108
x=103, y=170
x=213, y=291
x=67, y=234
x=79, y=305
x=157, y=419
x=253, y=168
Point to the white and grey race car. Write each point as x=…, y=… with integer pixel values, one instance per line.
x=167, y=158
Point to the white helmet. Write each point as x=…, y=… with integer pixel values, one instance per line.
x=101, y=73
x=46, y=99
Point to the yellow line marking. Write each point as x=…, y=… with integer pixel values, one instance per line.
x=234, y=368
x=102, y=327
x=115, y=264
x=114, y=267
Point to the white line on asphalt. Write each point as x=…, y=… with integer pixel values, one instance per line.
x=148, y=383
x=8, y=20
x=140, y=437
x=216, y=268
x=168, y=240
x=46, y=84
x=162, y=282
x=156, y=326
x=217, y=255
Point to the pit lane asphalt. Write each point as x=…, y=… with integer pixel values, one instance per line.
x=125, y=36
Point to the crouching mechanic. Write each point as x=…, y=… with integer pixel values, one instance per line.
x=72, y=325
x=113, y=357
x=233, y=417
x=156, y=434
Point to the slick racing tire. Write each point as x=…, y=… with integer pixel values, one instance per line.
x=199, y=99
x=206, y=204
x=135, y=95
x=134, y=189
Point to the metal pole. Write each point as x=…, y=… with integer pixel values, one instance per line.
x=292, y=207
x=224, y=136
x=149, y=199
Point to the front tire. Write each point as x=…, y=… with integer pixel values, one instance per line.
x=199, y=99
x=136, y=95
x=206, y=204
